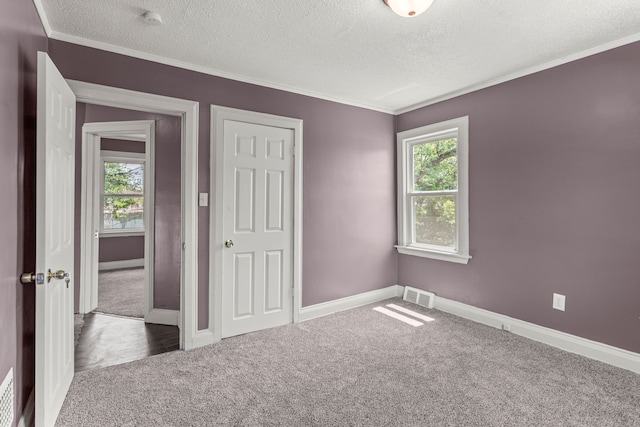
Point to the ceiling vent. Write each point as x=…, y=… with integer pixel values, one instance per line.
x=420, y=297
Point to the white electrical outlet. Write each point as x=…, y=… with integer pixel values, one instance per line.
x=558, y=301
x=204, y=199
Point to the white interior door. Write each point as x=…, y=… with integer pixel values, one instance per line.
x=54, y=241
x=258, y=227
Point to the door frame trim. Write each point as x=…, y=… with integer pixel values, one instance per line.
x=92, y=134
x=218, y=115
x=188, y=111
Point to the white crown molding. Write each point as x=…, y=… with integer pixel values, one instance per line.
x=592, y=349
x=43, y=17
x=524, y=72
x=231, y=76
x=206, y=70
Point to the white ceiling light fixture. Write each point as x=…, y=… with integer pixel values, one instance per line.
x=409, y=8
x=152, y=18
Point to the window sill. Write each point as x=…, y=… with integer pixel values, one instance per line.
x=425, y=253
x=121, y=233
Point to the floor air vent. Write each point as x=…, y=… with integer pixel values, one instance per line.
x=6, y=400
x=420, y=297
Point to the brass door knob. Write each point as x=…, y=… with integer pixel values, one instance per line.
x=28, y=278
x=60, y=274
x=39, y=278
x=229, y=243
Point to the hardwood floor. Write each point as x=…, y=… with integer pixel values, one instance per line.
x=108, y=340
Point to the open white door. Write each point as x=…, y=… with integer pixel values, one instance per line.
x=258, y=227
x=54, y=241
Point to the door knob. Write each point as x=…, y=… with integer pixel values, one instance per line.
x=228, y=243
x=39, y=278
x=28, y=278
x=60, y=274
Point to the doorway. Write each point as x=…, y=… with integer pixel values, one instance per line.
x=129, y=289
x=187, y=111
x=118, y=205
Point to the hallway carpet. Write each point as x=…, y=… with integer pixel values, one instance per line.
x=360, y=367
x=121, y=292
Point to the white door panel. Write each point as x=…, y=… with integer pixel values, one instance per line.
x=257, y=217
x=54, y=241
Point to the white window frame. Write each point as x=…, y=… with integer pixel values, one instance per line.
x=458, y=127
x=122, y=157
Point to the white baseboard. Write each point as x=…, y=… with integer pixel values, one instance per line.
x=206, y=336
x=161, y=316
x=201, y=338
x=330, y=307
x=127, y=263
x=26, y=420
x=592, y=349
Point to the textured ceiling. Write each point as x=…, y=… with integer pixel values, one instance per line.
x=352, y=51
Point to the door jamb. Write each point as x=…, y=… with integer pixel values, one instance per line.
x=190, y=336
x=92, y=133
x=218, y=115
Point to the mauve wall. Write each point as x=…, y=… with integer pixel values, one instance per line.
x=167, y=203
x=21, y=36
x=554, y=199
x=120, y=248
x=349, y=156
x=121, y=145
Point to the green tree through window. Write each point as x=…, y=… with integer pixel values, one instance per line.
x=123, y=195
x=435, y=182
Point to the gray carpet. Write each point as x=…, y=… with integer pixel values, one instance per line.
x=121, y=292
x=360, y=367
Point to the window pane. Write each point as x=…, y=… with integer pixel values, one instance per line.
x=435, y=165
x=435, y=220
x=123, y=213
x=123, y=178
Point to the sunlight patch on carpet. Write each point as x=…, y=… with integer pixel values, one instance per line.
x=398, y=316
x=411, y=313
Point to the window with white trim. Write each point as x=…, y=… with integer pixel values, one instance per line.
x=433, y=193
x=122, y=193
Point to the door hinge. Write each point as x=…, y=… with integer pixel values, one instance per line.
x=292, y=150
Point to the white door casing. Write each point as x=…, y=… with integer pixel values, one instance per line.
x=55, y=155
x=257, y=201
x=135, y=130
x=188, y=111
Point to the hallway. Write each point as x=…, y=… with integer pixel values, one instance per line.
x=107, y=340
